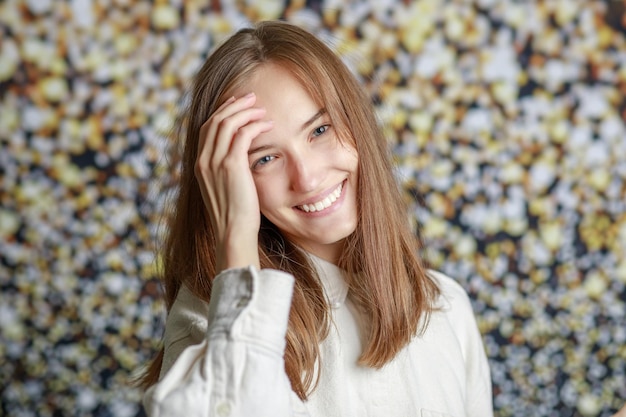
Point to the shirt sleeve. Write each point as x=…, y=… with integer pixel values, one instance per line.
x=238, y=369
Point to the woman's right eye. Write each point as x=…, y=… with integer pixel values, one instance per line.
x=263, y=161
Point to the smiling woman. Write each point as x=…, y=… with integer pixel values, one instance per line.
x=307, y=181
x=293, y=280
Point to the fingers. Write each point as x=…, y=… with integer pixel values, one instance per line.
x=205, y=126
x=222, y=167
x=229, y=117
x=236, y=122
x=226, y=182
x=246, y=134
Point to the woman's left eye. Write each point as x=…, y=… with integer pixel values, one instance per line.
x=321, y=130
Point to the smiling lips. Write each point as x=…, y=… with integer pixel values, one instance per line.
x=325, y=203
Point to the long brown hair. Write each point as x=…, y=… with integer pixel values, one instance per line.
x=390, y=282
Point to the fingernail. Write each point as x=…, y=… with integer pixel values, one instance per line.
x=249, y=95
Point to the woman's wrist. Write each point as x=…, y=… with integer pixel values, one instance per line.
x=238, y=250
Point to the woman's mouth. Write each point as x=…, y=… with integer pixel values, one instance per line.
x=323, y=204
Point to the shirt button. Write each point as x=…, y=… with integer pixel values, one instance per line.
x=223, y=409
x=336, y=304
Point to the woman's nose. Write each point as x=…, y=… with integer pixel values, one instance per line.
x=306, y=174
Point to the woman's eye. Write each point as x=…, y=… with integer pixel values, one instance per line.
x=263, y=161
x=321, y=130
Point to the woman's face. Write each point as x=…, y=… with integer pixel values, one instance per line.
x=305, y=177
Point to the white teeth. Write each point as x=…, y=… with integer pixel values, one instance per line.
x=325, y=203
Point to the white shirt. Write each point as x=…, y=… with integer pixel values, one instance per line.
x=225, y=358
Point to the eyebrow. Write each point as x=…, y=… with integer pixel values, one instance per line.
x=316, y=116
x=306, y=124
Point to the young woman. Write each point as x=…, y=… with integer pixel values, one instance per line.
x=292, y=277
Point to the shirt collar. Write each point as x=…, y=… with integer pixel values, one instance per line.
x=333, y=281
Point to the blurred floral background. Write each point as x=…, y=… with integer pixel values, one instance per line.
x=507, y=122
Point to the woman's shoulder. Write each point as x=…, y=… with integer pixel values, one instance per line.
x=453, y=298
x=448, y=285
x=187, y=317
x=186, y=325
x=188, y=305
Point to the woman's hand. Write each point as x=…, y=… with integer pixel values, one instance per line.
x=223, y=174
x=621, y=412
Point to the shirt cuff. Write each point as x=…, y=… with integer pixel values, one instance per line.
x=251, y=306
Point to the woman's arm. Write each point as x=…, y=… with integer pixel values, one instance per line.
x=223, y=173
x=238, y=370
